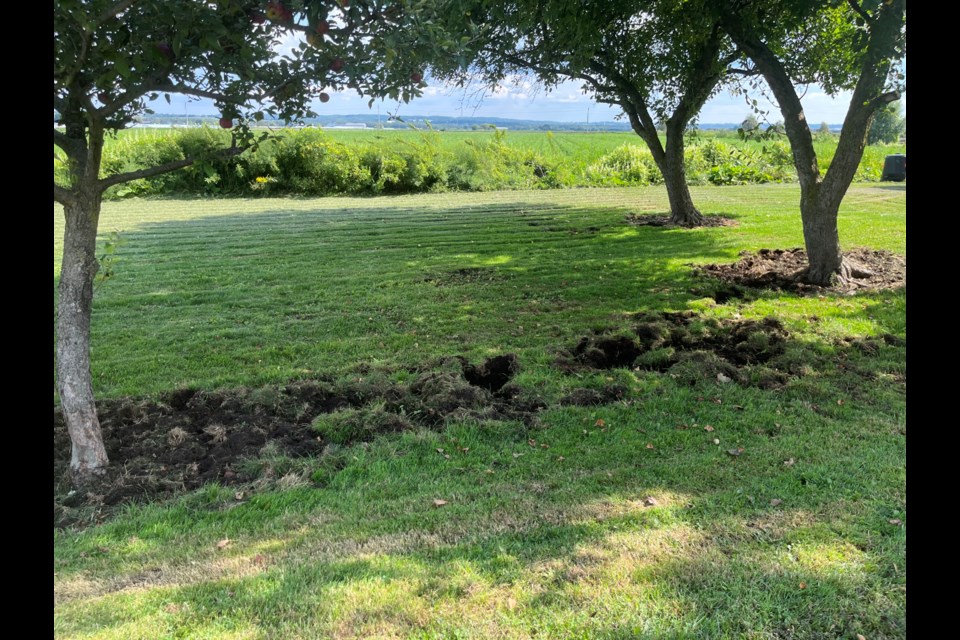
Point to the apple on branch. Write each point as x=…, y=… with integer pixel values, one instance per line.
x=277, y=12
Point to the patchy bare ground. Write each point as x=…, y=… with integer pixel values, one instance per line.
x=690, y=348
x=163, y=447
x=647, y=220
x=179, y=442
x=779, y=269
x=467, y=275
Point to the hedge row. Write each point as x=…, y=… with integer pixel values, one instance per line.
x=310, y=162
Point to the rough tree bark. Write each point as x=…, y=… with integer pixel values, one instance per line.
x=820, y=197
x=75, y=293
x=682, y=210
x=83, y=143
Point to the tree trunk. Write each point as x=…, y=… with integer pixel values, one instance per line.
x=820, y=236
x=820, y=197
x=682, y=210
x=75, y=293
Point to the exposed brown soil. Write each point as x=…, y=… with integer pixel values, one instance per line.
x=780, y=269
x=179, y=442
x=467, y=275
x=647, y=220
x=689, y=348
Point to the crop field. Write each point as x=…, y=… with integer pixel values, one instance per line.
x=412, y=417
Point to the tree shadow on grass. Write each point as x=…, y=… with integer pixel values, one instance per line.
x=659, y=572
x=217, y=297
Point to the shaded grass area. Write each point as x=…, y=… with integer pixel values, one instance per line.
x=630, y=519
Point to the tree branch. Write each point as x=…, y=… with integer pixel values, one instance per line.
x=635, y=106
x=138, y=91
x=64, y=196
x=782, y=86
x=885, y=98
x=859, y=10
x=65, y=142
x=167, y=167
x=192, y=91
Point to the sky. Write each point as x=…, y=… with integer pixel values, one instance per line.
x=527, y=101
x=566, y=103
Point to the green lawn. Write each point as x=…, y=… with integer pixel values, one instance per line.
x=534, y=542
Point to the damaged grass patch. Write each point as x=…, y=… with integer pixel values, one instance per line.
x=689, y=349
x=160, y=448
x=650, y=220
x=467, y=275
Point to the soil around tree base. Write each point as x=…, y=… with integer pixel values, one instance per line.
x=782, y=269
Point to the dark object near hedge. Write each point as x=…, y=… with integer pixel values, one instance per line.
x=895, y=168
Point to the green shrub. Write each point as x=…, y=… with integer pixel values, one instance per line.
x=625, y=165
x=310, y=163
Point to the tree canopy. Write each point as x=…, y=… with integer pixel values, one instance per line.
x=659, y=61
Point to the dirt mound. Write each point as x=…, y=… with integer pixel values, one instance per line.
x=492, y=374
x=647, y=220
x=779, y=269
x=607, y=352
x=688, y=348
x=190, y=437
